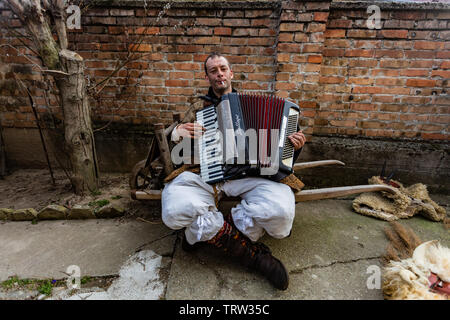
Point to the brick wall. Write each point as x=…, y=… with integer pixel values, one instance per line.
x=391, y=82
x=352, y=82
x=348, y=79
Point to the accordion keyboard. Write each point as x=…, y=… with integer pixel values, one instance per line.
x=210, y=150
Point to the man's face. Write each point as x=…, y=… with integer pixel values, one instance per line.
x=219, y=75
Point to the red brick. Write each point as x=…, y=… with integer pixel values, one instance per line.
x=445, y=65
x=343, y=123
x=146, y=30
x=303, y=17
x=361, y=81
x=368, y=90
x=315, y=59
x=322, y=6
x=409, y=15
x=334, y=33
x=396, y=90
x=254, y=86
x=260, y=42
x=443, y=54
x=236, y=22
x=340, y=23
x=116, y=29
x=285, y=86
x=359, y=53
x=363, y=63
x=135, y=47
x=266, y=23
x=428, y=45
x=321, y=16
x=331, y=80
x=361, y=33
x=339, y=43
x=286, y=37
x=308, y=48
x=247, y=32
x=420, y=54
x=394, y=34
x=420, y=83
x=300, y=37
x=192, y=31
x=121, y=12
x=257, y=13
x=291, y=27
x=441, y=73
x=416, y=100
x=187, y=66
x=333, y=52
x=289, y=47
x=316, y=27
x=97, y=12
x=389, y=53
x=208, y=21
x=179, y=57
x=445, y=15
x=394, y=64
x=181, y=75
x=390, y=81
x=288, y=16
x=104, y=20
x=435, y=136
x=414, y=72
x=260, y=77
x=367, y=44
x=220, y=31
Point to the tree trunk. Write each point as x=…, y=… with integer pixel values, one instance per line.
x=79, y=136
x=68, y=69
x=2, y=156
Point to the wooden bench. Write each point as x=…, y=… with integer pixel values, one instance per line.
x=303, y=195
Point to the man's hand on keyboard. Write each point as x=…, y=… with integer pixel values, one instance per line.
x=190, y=130
x=298, y=139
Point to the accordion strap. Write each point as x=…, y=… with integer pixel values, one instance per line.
x=292, y=181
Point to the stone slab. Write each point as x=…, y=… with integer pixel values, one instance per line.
x=99, y=247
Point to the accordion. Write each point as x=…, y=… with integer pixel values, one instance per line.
x=246, y=135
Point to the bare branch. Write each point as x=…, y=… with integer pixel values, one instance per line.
x=22, y=55
x=56, y=73
x=58, y=12
x=17, y=7
x=19, y=36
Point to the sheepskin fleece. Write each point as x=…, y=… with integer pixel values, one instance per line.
x=405, y=203
x=408, y=279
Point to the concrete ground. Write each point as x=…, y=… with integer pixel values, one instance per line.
x=332, y=253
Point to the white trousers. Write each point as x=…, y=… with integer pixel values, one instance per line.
x=266, y=206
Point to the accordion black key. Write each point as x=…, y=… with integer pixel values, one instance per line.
x=246, y=135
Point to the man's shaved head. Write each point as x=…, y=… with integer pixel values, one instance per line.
x=213, y=56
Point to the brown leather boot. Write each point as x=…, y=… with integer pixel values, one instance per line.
x=254, y=255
